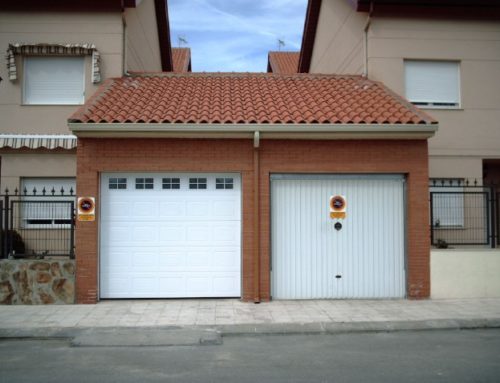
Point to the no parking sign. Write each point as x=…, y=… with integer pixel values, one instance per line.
x=86, y=209
x=338, y=206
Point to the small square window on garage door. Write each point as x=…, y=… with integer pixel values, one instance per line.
x=197, y=183
x=223, y=183
x=117, y=183
x=171, y=183
x=144, y=183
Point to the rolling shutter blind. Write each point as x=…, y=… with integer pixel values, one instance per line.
x=54, y=80
x=432, y=82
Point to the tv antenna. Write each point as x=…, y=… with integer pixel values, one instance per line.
x=182, y=40
x=281, y=43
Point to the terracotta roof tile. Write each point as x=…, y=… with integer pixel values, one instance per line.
x=235, y=98
x=283, y=62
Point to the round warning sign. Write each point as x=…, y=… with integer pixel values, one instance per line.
x=86, y=205
x=337, y=203
x=86, y=208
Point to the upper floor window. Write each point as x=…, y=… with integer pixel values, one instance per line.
x=434, y=84
x=53, y=80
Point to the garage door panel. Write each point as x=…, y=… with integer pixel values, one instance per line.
x=143, y=233
x=172, y=209
x=367, y=254
x=170, y=243
x=172, y=286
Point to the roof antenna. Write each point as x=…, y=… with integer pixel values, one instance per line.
x=182, y=40
x=281, y=43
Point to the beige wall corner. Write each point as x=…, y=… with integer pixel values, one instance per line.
x=339, y=45
x=142, y=44
x=465, y=273
x=16, y=165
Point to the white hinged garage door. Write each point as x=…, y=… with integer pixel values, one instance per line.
x=362, y=258
x=170, y=235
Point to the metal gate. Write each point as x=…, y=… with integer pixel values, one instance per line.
x=463, y=214
x=37, y=225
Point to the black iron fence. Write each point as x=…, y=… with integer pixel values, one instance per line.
x=36, y=224
x=464, y=214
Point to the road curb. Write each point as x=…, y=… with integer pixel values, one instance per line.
x=263, y=328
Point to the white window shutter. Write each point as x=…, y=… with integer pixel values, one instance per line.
x=54, y=80
x=433, y=82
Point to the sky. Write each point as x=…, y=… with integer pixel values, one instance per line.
x=235, y=35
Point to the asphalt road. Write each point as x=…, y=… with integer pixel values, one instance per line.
x=423, y=356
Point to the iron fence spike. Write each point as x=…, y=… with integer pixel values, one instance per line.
x=16, y=191
x=25, y=191
x=71, y=191
x=53, y=191
x=6, y=190
x=44, y=191
x=34, y=190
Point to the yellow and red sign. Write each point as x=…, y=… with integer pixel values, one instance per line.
x=86, y=209
x=338, y=206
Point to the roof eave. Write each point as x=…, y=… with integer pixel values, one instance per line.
x=296, y=131
x=162, y=23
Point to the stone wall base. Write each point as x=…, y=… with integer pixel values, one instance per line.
x=32, y=282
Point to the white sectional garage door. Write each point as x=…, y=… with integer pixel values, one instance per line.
x=364, y=258
x=170, y=235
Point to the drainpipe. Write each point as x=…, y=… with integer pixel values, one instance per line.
x=124, y=47
x=256, y=218
x=365, y=29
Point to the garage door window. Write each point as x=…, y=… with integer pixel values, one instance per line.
x=171, y=183
x=197, y=183
x=223, y=183
x=144, y=183
x=117, y=183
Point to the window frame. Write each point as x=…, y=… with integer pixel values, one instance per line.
x=197, y=183
x=432, y=104
x=145, y=183
x=117, y=183
x=173, y=183
x=224, y=185
x=24, y=93
x=49, y=183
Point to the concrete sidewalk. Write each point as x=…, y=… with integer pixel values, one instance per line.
x=233, y=316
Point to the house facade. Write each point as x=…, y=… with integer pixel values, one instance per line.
x=442, y=57
x=256, y=186
x=56, y=57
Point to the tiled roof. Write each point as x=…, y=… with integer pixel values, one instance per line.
x=283, y=62
x=236, y=98
x=181, y=59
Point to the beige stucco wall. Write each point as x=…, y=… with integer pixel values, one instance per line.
x=465, y=274
x=19, y=164
x=339, y=46
x=105, y=30
x=466, y=135
x=471, y=132
x=142, y=47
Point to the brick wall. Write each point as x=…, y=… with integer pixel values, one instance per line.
x=276, y=156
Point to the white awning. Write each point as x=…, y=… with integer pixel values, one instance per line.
x=37, y=141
